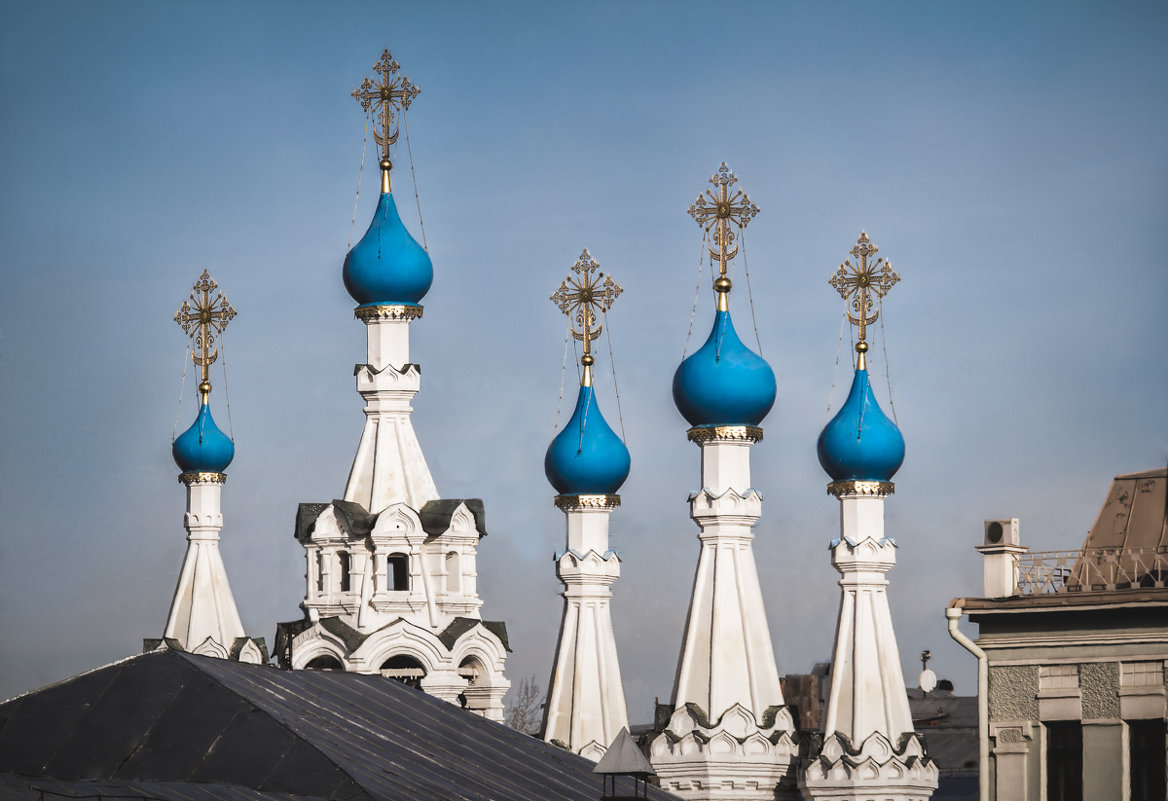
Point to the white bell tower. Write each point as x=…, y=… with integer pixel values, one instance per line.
x=391, y=567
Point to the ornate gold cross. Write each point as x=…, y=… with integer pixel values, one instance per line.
x=201, y=321
x=858, y=281
x=384, y=95
x=717, y=211
x=583, y=297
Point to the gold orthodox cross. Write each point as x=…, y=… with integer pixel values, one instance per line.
x=858, y=281
x=718, y=209
x=202, y=317
x=583, y=297
x=385, y=94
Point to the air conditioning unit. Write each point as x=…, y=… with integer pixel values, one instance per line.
x=1002, y=532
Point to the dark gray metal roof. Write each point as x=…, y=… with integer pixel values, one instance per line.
x=435, y=515
x=199, y=723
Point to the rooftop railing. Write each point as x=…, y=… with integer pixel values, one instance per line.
x=1092, y=570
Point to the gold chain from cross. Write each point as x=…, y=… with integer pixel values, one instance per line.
x=717, y=211
x=201, y=318
x=384, y=95
x=858, y=281
x=585, y=296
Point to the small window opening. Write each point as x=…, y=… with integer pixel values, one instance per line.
x=453, y=572
x=346, y=579
x=398, y=571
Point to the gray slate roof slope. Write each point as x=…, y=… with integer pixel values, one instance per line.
x=176, y=717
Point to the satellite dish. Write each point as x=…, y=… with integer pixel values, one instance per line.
x=928, y=680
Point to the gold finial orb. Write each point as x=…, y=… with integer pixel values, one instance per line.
x=386, y=164
x=587, y=360
x=861, y=347
x=722, y=284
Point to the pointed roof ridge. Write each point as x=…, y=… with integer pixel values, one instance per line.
x=624, y=757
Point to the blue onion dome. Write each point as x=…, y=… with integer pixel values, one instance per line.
x=861, y=443
x=388, y=266
x=586, y=457
x=203, y=448
x=724, y=382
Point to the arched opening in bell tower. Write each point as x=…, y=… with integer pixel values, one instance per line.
x=403, y=668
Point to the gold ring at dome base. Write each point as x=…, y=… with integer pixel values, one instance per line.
x=570, y=503
x=852, y=486
x=389, y=311
x=202, y=478
x=700, y=434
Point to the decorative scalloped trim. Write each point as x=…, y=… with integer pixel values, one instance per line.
x=703, y=434
x=852, y=486
x=202, y=478
x=389, y=311
x=569, y=503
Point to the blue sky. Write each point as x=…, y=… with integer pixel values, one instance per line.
x=1008, y=158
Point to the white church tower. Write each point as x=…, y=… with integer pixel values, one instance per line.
x=586, y=463
x=203, y=618
x=730, y=735
x=868, y=748
x=391, y=567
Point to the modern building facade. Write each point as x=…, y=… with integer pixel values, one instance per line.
x=1072, y=649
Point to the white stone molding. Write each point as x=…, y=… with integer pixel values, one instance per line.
x=203, y=617
x=726, y=671
x=315, y=642
x=739, y=756
x=482, y=694
x=878, y=769
x=585, y=707
x=209, y=647
x=389, y=466
x=866, y=700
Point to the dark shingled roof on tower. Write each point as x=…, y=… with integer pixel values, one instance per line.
x=171, y=725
